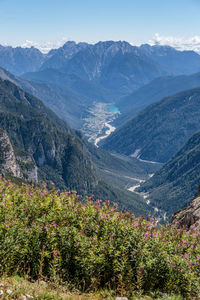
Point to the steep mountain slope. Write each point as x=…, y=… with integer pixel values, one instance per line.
x=177, y=182
x=178, y=62
x=160, y=130
x=67, y=106
x=56, y=150
x=128, y=71
x=35, y=129
x=154, y=91
x=20, y=60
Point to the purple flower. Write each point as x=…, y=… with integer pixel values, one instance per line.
x=185, y=255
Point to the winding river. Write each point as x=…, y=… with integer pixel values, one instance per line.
x=107, y=133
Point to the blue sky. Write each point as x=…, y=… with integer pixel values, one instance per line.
x=136, y=21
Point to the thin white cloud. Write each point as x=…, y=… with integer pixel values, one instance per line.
x=179, y=43
x=46, y=46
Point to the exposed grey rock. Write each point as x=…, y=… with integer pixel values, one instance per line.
x=28, y=167
x=189, y=216
x=20, y=165
x=8, y=162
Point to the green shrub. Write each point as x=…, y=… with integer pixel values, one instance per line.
x=91, y=245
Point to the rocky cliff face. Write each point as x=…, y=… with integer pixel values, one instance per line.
x=20, y=165
x=8, y=162
x=189, y=216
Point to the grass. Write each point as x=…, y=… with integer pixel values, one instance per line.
x=19, y=288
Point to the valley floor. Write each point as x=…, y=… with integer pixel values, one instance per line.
x=158, y=213
x=97, y=125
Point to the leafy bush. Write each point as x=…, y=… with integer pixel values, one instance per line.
x=48, y=234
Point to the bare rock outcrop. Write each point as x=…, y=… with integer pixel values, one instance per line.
x=8, y=162
x=189, y=216
x=20, y=164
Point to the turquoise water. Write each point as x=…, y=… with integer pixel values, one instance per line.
x=112, y=108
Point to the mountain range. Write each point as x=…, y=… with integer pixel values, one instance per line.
x=75, y=75
x=116, y=66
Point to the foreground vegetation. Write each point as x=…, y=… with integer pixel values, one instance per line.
x=19, y=288
x=51, y=236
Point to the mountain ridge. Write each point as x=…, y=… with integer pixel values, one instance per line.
x=176, y=184
x=159, y=130
x=153, y=92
